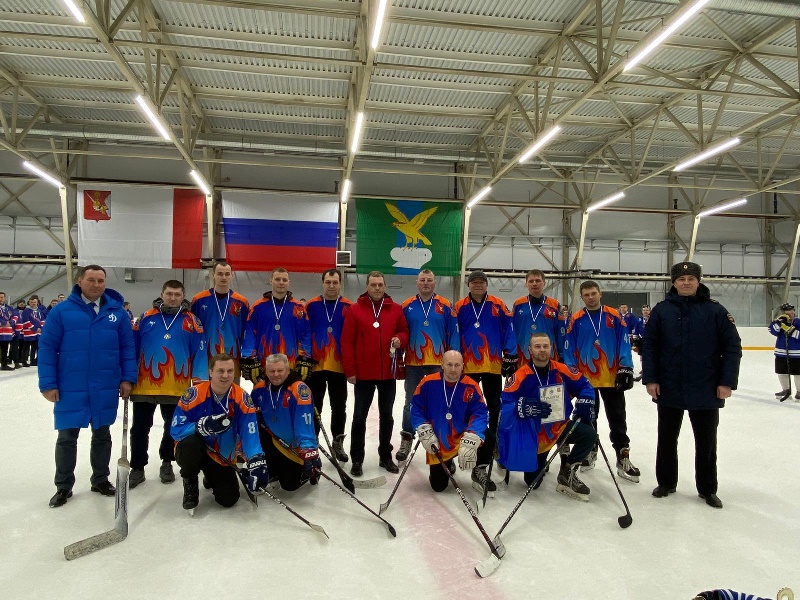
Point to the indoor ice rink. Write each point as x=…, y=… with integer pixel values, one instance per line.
x=591, y=139
x=676, y=546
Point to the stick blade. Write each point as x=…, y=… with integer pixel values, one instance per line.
x=318, y=528
x=383, y=507
x=368, y=484
x=121, y=498
x=92, y=544
x=499, y=546
x=625, y=521
x=392, y=530
x=488, y=566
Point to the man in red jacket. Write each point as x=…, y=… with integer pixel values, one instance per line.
x=374, y=329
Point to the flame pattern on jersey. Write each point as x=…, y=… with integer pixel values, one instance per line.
x=428, y=343
x=468, y=411
x=166, y=367
x=548, y=320
x=520, y=440
x=483, y=347
x=219, y=338
x=262, y=339
x=599, y=362
x=326, y=346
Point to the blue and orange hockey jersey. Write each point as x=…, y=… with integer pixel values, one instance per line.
x=287, y=413
x=520, y=440
x=277, y=328
x=433, y=330
x=434, y=398
x=598, y=345
x=223, y=321
x=325, y=320
x=169, y=354
x=535, y=315
x=198, y=401
x=486, y=333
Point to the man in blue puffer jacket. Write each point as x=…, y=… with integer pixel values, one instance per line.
x=690, y=362
x=87, y=360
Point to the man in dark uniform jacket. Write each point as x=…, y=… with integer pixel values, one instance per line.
x=690, y=361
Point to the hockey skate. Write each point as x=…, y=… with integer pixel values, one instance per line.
x=481, y=481
x=191, y=494
x=625, y=468
x=783, y=395
x=588, y=463
x=405, y=446
x=338, y=448
x=570, y=485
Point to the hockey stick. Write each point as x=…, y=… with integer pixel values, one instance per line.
x=626, y=519
x=485, y=568
x=386, y=504
x=333, y=481
x=486, y=564
x=347, y=481
x=241, y=475
x=120, y=531
x=788, y=367
x=486, y=487
x=361, y=484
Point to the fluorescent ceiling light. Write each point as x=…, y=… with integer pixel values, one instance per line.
x=33, y=168
x=707, y=154
x=606, y=201
x=721, y=207
x=479, y=196
x=539, y=144
x=376, y=33
x=201, y=183
x=154, y=118
x=668, y=31
x=345, y=191
x=76, y=12
x=357, y=132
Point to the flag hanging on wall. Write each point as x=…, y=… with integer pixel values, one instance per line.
x=140, y=227
x=404, y=236
x=266, y=230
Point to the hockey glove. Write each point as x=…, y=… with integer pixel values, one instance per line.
x=509, y=365
x=250, y=368
x=312, y=464
x=786, y=324
x=427, y=437
x=213, y=425
x=257, y=474
x=528, y=408
x=584, y=409
x=624, y=379
x=303, y=366
x=468, y=451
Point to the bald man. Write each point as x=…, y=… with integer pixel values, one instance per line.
x=448, y=413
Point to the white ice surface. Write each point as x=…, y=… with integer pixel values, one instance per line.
x=556, y=547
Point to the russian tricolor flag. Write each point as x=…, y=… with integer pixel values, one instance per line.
x=266, y=230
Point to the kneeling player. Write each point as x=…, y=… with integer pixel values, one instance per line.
x=213, y=423
x=530, y=396
x=448, y=410
x=286, y=425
